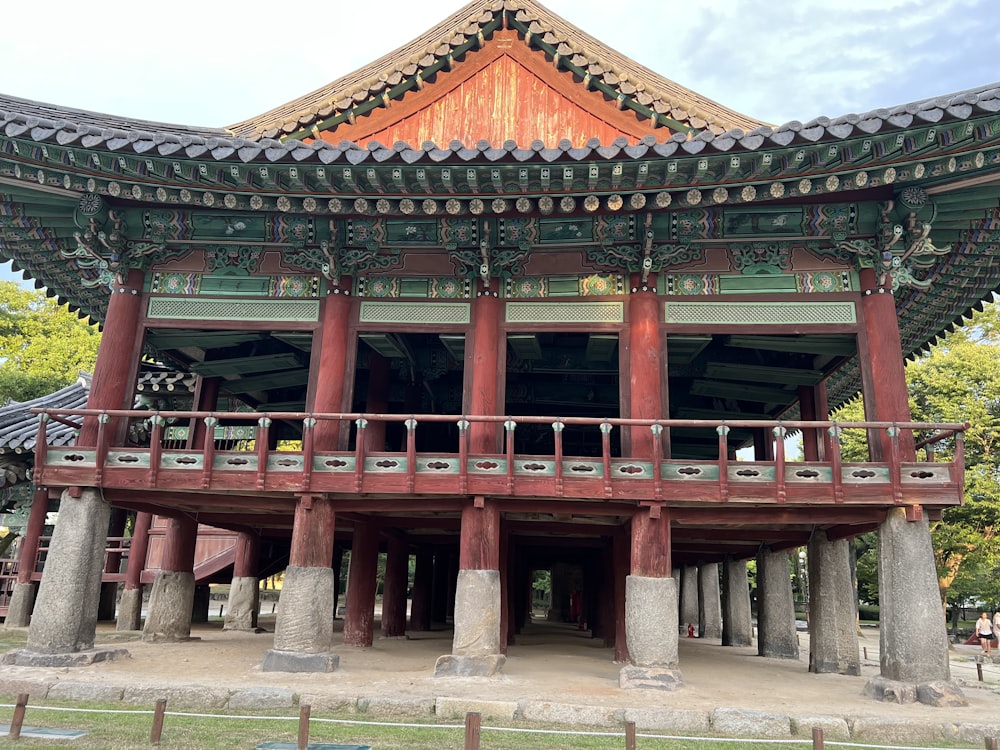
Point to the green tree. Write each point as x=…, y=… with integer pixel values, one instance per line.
x=43, y=346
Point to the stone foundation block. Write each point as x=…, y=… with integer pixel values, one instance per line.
x=834, y=727
x=747, y=723
x=262, y=698
x=941, y=693
x=458, y=707
x=171, y=601
x=570, y=713
x=26, y=658
x=452, y=665
x=130, y=610
x=86, y=691
x=674, y=719
x=16, y=686
x=295, y=661
x=881, y=729
x=634, y=677
x=891, y=691
x=383, y=706
x=186, y=696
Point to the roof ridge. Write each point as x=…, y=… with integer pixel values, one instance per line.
x=432, y=50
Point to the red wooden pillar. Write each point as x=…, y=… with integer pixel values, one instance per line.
x=486, y=373
x=329, y=376
x=651, y=544
x=813, y=407
x=312, y=533
x=113, y=383
x=28, y=551
x=423, y=583
x=178, y=545
x=359, y=619
x=394, y=590
x=338, y=564
x=377, y=400
x=207, y=400
x=138, y=550
x=247, y=553
x=883, y=372
x=645, y=368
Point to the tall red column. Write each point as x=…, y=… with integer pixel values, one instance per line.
x=329, y=377
x=484, y=379
x=650, y=544
x=883, y=370
x=113, y=384
x=171, y=601
x=645, y=368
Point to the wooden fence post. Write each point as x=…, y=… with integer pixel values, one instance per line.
x=157, y=730
x=304, y=712
x=18, y=719
x=473, y=722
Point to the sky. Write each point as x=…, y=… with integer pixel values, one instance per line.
x=212, y=63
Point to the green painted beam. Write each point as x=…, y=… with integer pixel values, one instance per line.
x=170, y=339
x=762, y=373
x=239, y=365
x=742, y=391
x=837, y=344
x=268, y=381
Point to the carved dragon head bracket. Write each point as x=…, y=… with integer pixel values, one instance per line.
x=902, y=246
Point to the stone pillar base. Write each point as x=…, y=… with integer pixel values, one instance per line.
x=296, y=661
x=170, y=603
x=26, y=658
x=453, y=665
x=650, y=678
x=244, y=601
x=22, y=601
x=938, y=693
x=130, y=610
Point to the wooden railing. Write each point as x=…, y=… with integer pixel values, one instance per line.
x=453, y=469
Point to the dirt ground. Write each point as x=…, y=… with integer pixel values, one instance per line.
x=549, y=662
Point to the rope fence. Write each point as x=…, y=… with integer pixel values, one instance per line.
x=472, y=728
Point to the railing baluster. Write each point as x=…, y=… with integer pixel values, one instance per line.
x=411, y=453
x=779, y=463
x=208, y=451
x=657, y=430
x=836, y=473
x=557, y=435
x=156, y=423
x=262, y=446
x=895, y=466
x=463, y=455
x=723, y=433
x=359, y=453
x=101, y=453
x=606, y=456
x=308, y=451
x=509, y=426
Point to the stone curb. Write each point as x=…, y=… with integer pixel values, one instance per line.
x=724, y=720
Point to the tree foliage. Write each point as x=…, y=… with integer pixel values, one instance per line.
x=958, y=380
x=43, y=346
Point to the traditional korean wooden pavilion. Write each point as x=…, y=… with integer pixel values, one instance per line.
x=504, y=300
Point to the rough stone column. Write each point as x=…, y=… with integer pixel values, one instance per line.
x=303, y=629
x=689, y=596
x=171, y=602
x=65, y=618
x=709, y=601
x=833, y=633
x=243, y=605
x=737, y=622
x=912, y=636
x=476, y=647
x=776, y=635
x=651, y=606
x=130, y=603
x=22, y=600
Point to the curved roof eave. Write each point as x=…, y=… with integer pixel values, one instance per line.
x=45, y=123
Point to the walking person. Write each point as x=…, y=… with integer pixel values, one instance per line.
x=984, y=629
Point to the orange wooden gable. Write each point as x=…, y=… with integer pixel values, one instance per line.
x=503, y=92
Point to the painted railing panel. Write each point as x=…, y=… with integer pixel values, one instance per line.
x=453, y=470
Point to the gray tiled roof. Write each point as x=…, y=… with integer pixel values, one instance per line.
x=19, y=427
